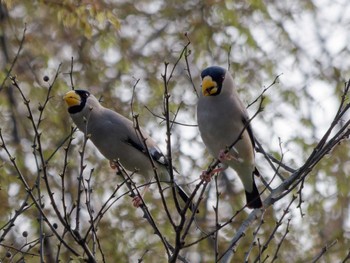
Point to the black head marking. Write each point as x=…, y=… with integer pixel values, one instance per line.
x=83, y=94
x=217, y=74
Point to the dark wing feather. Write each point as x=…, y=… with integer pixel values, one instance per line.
x=249, y=130
x=155, y=153
x=252, y=139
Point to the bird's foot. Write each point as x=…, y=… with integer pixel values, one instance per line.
x=113, y=165
x=137, y=201
x=206, y=177
x=226, y=156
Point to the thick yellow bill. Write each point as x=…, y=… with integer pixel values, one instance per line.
x=209, y=87
x=72, y=98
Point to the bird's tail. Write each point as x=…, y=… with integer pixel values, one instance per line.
x=253, y=198
x=184, y=196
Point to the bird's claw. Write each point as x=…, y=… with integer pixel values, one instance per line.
x=226, y=156
x=137, y=201
x=113, y=165
x=206, y=176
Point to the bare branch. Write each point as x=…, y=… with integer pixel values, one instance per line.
x=168, y=131
x=264, y=90
x=187, y=54
x=29, y=190
x=346, y=258
x=171, y=121
x=16, y=57
x=324, y=250
x=71, y=73
x=280, y=243
x=146, y=214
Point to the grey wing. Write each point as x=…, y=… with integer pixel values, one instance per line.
x=129, y=135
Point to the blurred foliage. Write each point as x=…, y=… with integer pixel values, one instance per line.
x=113, y=44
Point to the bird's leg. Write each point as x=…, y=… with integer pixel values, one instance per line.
x=226, y=156
x=112, y=164
x=137, y=200
x=223, y=156
x=206, y=177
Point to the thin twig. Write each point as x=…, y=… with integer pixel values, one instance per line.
x=71, y=73
x=187, y=54
x=29, y=190
x=16, y=56
x=323, y=251
x=274, y=231
x=275, y=256
x=9, y=224
x=217, y=225
x=253, y=242
x=168, y=132
x=264, y=90
x=347, y=257
x=171, y=121
x=146, y=214
x=271, y=159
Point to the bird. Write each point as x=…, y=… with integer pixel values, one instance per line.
x=221, y=118
x=117, y=139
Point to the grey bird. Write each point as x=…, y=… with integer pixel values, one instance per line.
x=117, y=139
x=221, y=118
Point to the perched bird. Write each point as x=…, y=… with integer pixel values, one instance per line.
x=117, y=139
x=221, y=118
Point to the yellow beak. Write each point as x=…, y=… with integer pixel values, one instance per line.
x=72, y=98
x=209, y=87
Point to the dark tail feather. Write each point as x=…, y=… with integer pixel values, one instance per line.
x=185, y=198
x=253, y=198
